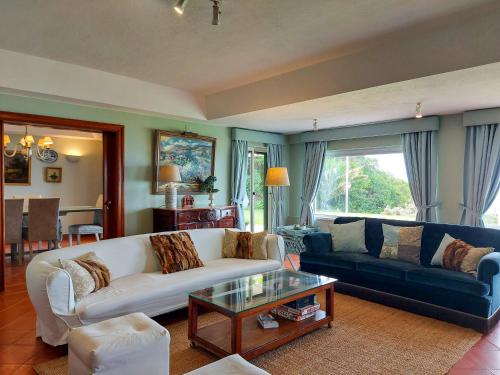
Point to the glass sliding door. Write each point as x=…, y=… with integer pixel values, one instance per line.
x=256, y=213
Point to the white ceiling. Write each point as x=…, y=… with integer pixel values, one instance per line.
x=441, y=94
x=40, y=131
x=256, y=39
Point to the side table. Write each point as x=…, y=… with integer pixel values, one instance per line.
x=293, y=239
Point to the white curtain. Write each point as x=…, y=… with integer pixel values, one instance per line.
x=275, y=159
x=481, y=172
x=313, y=167
x=239, y=165
x=420, y=154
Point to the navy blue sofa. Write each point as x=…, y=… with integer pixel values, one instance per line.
x=448, y=295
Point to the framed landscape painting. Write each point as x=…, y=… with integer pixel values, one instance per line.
x=17, y=170
x=194, y=154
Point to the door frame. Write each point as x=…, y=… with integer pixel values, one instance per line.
x=258, y=150
x=113, y=139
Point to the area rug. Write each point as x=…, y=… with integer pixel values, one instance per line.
x=367, y=338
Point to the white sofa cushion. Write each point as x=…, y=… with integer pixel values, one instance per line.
x=157, y=293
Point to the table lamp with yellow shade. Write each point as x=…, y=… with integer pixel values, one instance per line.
x=170, y=174
x=276, y=177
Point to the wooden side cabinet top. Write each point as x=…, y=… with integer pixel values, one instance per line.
x=169, y=219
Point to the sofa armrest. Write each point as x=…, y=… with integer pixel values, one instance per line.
x=60, y=293
x=275, y=247
x=318, y=243
x=488, y=272
x=488, y=268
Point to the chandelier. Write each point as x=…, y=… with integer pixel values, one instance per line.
x=27, y=144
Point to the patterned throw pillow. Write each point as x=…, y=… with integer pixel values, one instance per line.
x=460, y=256
x=402, y=243
x=175, y=252
x=245, y=245
x=88, y=274
x=230, y=243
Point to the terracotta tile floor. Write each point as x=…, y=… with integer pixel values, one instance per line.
x=19, y=349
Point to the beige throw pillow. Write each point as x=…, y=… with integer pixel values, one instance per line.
x=88, y=274
x=230, y=244
x=83, y=282
x=245, y=245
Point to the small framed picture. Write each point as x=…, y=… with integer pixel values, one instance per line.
x=53, y=174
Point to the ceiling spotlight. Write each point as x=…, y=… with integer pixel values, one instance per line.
x=180, y=5
x=216, y=12
x=315, y=125
x=418, y=110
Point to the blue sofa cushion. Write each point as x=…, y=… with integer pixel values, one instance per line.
x=450, y=280
x=344, y=260
x=395, y=269
x=318, y=243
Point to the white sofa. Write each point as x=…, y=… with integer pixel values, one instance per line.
x=137, y=284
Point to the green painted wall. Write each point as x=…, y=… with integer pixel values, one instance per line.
x=451, y=148
x=138, y=151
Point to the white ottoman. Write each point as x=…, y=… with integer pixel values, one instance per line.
x=230, y=365
x=130, y=344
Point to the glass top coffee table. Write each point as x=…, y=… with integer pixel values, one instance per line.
x=241, y=300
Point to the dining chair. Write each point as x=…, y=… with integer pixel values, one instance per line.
x=43, y=223
x=94, y=228
x=26, y=199
x=14, y=228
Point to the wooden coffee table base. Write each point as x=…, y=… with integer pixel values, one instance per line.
x=241, y=332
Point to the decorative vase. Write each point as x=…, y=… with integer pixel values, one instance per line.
x=171, y=197
x=211, y=200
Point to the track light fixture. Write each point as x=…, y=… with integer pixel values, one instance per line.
x=315, y=125
x=216, y=12
x=180, y=5
x=418, y=110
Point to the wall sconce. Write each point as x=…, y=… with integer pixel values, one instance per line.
x=73, y=158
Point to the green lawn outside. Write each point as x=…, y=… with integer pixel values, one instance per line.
x=258, y=216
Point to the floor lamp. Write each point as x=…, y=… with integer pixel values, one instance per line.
x=276, y=177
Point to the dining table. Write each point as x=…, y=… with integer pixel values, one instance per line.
x=63, y=211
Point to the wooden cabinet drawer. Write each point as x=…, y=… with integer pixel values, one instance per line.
x=227, y=222
x=188, y=216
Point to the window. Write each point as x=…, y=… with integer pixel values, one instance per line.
x=491, y=217
x=374, y=184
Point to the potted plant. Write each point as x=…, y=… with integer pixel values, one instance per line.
x=208, y=186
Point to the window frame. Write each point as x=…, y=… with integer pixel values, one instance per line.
x=366, y=151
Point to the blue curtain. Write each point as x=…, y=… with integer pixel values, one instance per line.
x=420, y=154
x=313, y=167
x=275, y=159
x=239, y=166
x=481, y=172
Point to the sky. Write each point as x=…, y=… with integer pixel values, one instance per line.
x=393, y=164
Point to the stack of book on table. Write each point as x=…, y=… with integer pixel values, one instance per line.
x=267, y=321
x=298, y=310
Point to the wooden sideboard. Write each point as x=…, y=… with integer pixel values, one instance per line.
x=167, y=219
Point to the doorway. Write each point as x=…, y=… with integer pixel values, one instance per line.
x=256, y=213
x=112, y=169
